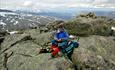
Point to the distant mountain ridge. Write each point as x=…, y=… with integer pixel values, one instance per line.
x=4, y=10
x=64, y=14
x=61, y=16
x=14, y=21
x=69, y=15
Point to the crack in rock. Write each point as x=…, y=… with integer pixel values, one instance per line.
x=23, y=39
x=6, y=56
x=1, y=40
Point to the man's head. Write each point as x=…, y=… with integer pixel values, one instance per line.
x=59, y=24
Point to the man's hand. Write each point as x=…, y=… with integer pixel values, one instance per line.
x=59, y=40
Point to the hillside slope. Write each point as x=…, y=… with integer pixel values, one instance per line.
x=20, y=51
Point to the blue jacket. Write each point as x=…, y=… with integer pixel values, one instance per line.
x=62, y=35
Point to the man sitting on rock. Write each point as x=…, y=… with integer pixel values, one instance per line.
x=60, y=39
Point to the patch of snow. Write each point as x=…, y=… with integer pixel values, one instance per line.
x=30, y=20
x=34, y=24
x=4, y=13
x=30, y=25
x=39, y=22
x=2, y=23
x=112, y=28
x=7, y=19
x=49, y=18
x=16, y=23
x=19, y=18
x=1, y=14
x=12, y=32
x=12, y=20
x=29, y=15
x=43, y=17
x=38, y=18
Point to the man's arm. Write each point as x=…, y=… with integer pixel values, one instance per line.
x=53, y=35
x=66, y=36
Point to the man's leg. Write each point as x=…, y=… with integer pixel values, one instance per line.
x=62, y=46
x=54, y=42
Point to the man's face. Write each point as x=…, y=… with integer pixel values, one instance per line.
x=60, y=30
x=60, y=25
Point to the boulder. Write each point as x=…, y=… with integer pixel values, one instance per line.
x=12, y=40
x=95, y=53
x=24, y=56
x=90, y=24
x=3, y=33
x=39, y=62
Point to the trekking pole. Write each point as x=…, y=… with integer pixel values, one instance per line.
x=78, y=39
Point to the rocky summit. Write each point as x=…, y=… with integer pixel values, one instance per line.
x=96, y=51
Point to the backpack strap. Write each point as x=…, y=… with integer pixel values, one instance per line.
x=70, y=47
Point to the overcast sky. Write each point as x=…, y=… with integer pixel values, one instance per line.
x=54, y=4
